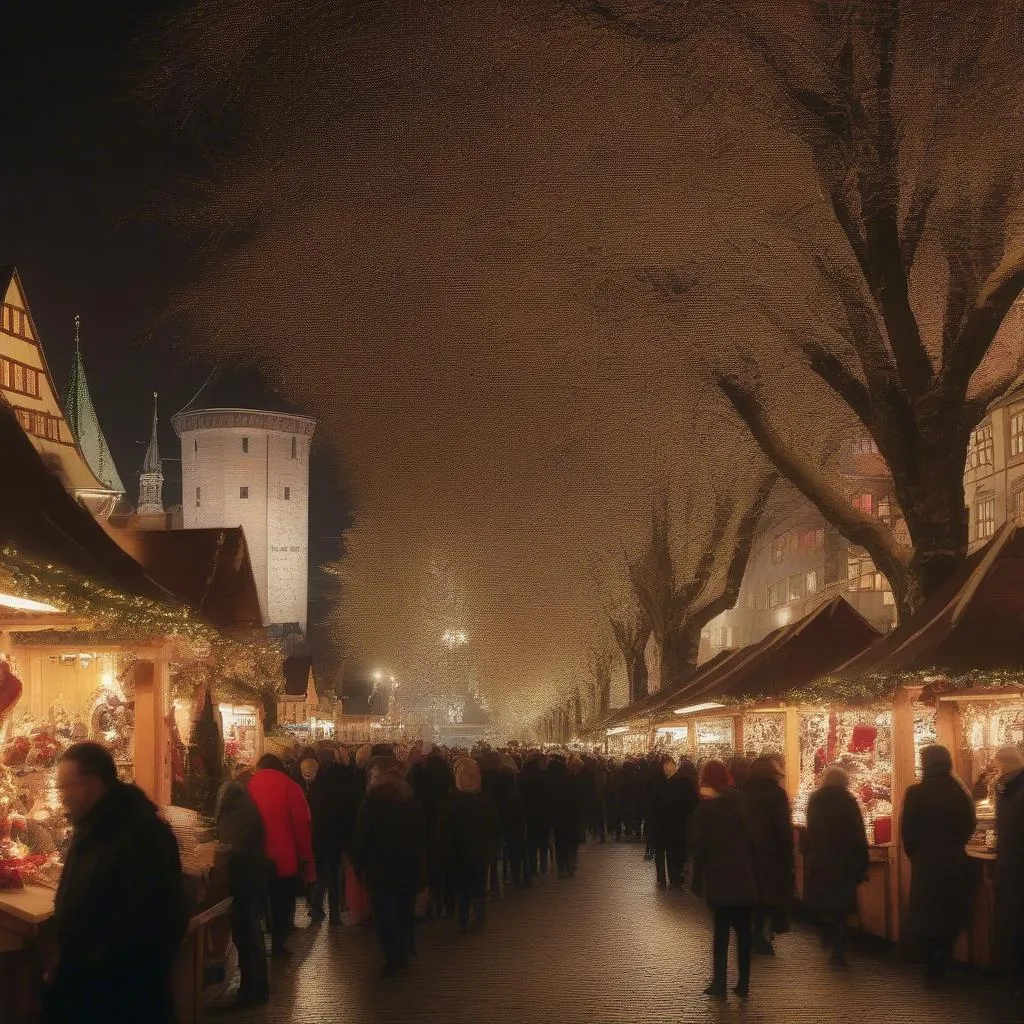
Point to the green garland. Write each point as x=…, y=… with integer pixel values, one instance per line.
x=245, y=670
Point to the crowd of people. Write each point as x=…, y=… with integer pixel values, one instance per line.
x=393, y=833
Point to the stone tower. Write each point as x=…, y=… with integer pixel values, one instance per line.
x=151, y=479
x=250, y=468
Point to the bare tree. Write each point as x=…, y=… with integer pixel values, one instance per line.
x=599, y=669
x=680, y=594
x=903, y=110
x=631, y=628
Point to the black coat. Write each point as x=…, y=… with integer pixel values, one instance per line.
x=835, y=851
x=723, y=851
x=120, y=914
x=566, y=802
x=511, y=815
x=467, y=837
x=1010, y=856
x=330, y=809
x=432, y=781
x=389, y=849
x=535, y=789
x=772, y=828
x=677, y=803
x=937, y=821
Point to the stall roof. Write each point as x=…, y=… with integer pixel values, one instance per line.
x=656, y=702
x=976, y=621
x=42, y=520
x=207, y=569
x=788, y=658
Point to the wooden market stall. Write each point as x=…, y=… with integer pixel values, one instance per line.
x=957, y=669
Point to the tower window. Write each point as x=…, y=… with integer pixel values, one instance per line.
x=245, y=445
x=295, y=447
x=195, y=445
x=243, y=492
x=197, y=497
x=287, y=493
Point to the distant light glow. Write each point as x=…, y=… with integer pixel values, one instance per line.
x=454, y=638
x=694, y=708
x=618, y=730
x=23, y=604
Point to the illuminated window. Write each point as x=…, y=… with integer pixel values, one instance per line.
x=780, y=548
x=1018, y=504
x=243, y=492
x=18, y=378
x=198, y=493
x=1017, y=434
x=884, y=511
x=865, y=502
x=862, y=575
x=811, y=582
x=295, y=447
x=796, y=587
x=980, y=448
x=984, y=518
x=245, y=445
x=777, y=594
x=865, y=445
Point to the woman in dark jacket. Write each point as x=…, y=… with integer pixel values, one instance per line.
x=1010, y=856
x=835, y=856
x=773, y=844
x=937, y=821
x=723, y=872
x=467, y=842
x=389, y=854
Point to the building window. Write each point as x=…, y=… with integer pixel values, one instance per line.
x=884, y=511
x=195, y=445
x=777, y=594
x=197, y=497
x=980, y=448
x=1017, y=433
x=243, y=492
x=861, y=574
x=287, y=493
x=984, y=518
x=295, y=447
x=811, y=581
x=780, y=548
x=864, y=502
x=245, y=445
x=865, y=445
x=1018, y=504
x=796, y=587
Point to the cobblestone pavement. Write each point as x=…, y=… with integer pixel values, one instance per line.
x=605, y=946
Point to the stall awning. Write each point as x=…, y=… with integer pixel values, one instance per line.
x=787, y=659
x=976, y=621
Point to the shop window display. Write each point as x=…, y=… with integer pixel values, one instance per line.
x=764, y=734
x=715, y=738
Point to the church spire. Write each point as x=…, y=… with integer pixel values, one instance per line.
x=151, y=479
x=84, y=423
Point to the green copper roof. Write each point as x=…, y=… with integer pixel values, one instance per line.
x=81, y=416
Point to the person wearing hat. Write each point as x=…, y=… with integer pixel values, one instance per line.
x=723, y=873
x=936, y=823
x=1009, y=883
x=835, y=857
x=772, y=825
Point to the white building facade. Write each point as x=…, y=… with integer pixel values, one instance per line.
x=250, y=468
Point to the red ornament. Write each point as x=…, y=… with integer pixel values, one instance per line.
x=863, y=739
x=10, y=690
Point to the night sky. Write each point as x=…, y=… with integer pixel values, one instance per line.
x=497, y=250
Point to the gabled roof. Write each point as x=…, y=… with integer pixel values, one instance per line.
x=207, y=569
x=85, y=424
x=45, y=522
x=976, y=621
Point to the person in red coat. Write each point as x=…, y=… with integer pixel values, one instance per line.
x=289, y=842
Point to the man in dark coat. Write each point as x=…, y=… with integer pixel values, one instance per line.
x=328, y=807
x=467, y=840
x=613, y=799
x=658, y=818
x=389, y=854
x=240, y=829
x=723, y=872
x=1010, y=856
x=120, y=913
x=678, y=803
x=937, y=821
x=535, y=789
x=431, y=780
x=772, y=827
x=566, y=815
x=835, y=856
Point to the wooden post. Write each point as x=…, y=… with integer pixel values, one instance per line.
x=947, y=732
x=792, y=753
x=903, y=776
x=737, y=733
x=152, y=764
